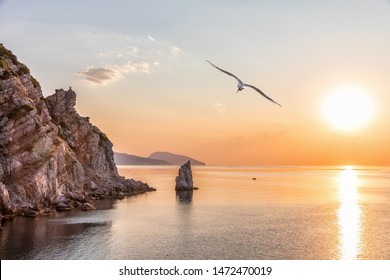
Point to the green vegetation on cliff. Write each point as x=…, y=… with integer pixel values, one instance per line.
x=7, y=72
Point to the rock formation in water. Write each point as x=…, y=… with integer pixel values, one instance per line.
x=50, y=156
x=184, y=180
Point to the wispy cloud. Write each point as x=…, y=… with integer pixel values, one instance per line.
x=151, y=38
x=125, y=55
x=99, y=75
x=112, y=73
x=131, y=52
x=175, y=50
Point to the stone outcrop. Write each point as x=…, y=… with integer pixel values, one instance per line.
x=50, y=156
x=184, y=181
x=88, y=206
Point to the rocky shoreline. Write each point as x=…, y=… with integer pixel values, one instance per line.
x=51, y=158
x=72, y=200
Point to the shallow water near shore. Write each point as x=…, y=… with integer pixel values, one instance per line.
x=237, y=213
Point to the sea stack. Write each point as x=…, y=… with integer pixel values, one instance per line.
x=184, y=180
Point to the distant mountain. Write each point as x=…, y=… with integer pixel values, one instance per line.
x=125, y=159
x=157, y=158
x=174, y=158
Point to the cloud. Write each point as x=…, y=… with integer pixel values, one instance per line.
x=133, y=51
x=175, y=50
x=135, y=67
x=119, y=55
x=112, y=73
x=220, y=108
x=98, y=75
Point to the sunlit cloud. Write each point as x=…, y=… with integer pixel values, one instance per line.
x=131, y=52
x=98, y=75
x=140, y=67
x=112, y=73
x=119, y=56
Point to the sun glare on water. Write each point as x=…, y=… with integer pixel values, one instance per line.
x=349, y=214
x=348, y=109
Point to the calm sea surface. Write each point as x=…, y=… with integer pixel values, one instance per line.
x=237, y=213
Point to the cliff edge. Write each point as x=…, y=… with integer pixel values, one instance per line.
x=50, y=156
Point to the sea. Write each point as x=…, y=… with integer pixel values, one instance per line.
x=237, y=213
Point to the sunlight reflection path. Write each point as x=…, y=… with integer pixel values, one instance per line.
x=349, y=214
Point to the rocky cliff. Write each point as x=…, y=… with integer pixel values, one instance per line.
x=50, y=156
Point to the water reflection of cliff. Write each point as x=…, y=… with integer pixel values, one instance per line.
x=61, y=235
x=184, y=196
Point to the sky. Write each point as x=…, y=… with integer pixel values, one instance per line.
x=140, y=73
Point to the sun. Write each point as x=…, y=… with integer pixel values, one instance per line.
x=348, y=109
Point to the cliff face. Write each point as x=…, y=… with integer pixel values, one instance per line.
x=50, y=156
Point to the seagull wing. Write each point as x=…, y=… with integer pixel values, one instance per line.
x=226, y=72
x=263, y=94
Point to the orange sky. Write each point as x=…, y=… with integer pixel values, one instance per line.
x=141, y=76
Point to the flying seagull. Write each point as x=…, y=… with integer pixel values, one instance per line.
x=241, y=85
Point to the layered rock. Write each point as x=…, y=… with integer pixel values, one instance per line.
x=184, y=181
x=49, y=154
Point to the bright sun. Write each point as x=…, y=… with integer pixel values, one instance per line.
x=348, y=109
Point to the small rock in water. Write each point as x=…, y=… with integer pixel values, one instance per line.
x=184, y=180
x=63, y=206
x=87, y=206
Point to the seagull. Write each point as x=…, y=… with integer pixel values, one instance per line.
x=241, y=85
